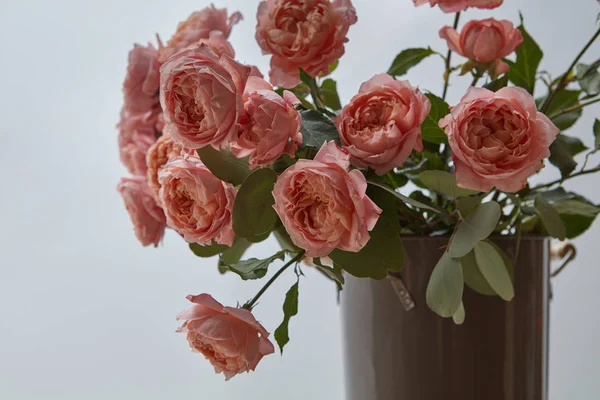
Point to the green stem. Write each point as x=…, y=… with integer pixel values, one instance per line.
x=475, y=79
x=392, y=179
x=587, y=158
x=314, y=92
x=574, y=108
x=558, y=181
x=251, y=303
x=448, y=59
x=563, y=82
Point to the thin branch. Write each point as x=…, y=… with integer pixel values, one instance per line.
x=448, y=59
x=574, y=108
x=560, y=181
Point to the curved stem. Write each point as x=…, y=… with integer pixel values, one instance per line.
x=251, y=303
x=448, y=59
x=475, y=79
x=563, y=82
x=576, y=174
x=574, y=108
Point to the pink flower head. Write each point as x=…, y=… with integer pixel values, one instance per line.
x=484, y=42
x=140, y=87
x=450, y=6
x=270, y=125
x=199, y=26
x=201, y=95
x=307, y=34
x=197, y=204
x=381, y=125
x=230, y=338
x=147, y=217
x=137, y=133
x=497, y=139
x=323, y=206
x=157, y=156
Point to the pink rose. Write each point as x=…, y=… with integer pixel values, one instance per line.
x=497, y=139
x=323, y=206
x=147, y=217
x=197, y=204
x=230, y=338
x=302, y=34
x=485, y=42
x=137, y=133
x=270, y=125
x=381, y=125
x=201, y=95
x=450, y=6
x=199, y=26
x=141, y=83
x=157, y=156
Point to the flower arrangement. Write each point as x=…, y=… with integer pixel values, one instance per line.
x=226, y=158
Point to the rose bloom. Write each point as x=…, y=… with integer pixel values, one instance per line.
x=270, y=125
x=323, y=206
x=381, y=125
x=450, y=6
x=157, y=156
x=484, y=42
x=199, y=26
x=308, y=34
x=497, y=139
x=230, y=338
x=140, y=87
x=147, y=217
x=137, y=132
x=201, y=96
x=197, y=204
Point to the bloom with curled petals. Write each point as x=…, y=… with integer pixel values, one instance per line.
x=484, y=42
x=147, y=217
x=201, y=97
x=323, y=206
x=137, y=132
x=497, y=139
x=307, y=34
x=270, y=125
x=381, y=125
x=140, y=87
x=230, y=338
x=199, y=26
x=157, y=156
x=196, y=203
x=450, y=6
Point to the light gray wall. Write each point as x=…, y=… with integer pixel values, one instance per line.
x=87, y=313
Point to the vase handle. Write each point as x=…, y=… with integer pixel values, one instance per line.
x=563, y=251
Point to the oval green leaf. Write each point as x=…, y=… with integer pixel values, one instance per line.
x=405, y=199
x=551, y=220
x=407, y=59
x=253, y=214
x=207, y=251
x=473, y=277
x=491, y=265
x=445, y=288
x=459, y=315
x=475, y=227
x=224, y=165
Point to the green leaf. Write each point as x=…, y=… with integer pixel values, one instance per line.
x=445, y=288
x=233, y=254
x=253, y=214
x=475, y=227
x=334, y=273
x=523, y=72
x=224, y=165
x=563, y=150
x=330, y=70
x=284, y=239
x=408, y=59
x=317, y=129
x=305, y=77
x=563, y=100
x=550, y=218
x=459, y=315
x=403, y=198
x=597, y=134
x=430, y=130
x=497, y=84
x=467, y=204
x=290, y=308
x=329, y=94
x=207, y=251
x=254, y=268
x=491, y=265
x=445, y=183
x=473, y=277
x=589, y=77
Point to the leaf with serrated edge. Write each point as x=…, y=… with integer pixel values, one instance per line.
x=475, y=227
x=445, y=288
x=491, y=265
x=430, y=129
x=290, y=308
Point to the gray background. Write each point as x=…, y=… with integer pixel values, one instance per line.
x=87, y=313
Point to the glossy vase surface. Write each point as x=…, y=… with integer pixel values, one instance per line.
x=499, y=353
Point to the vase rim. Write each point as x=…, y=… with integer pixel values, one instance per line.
x=528, y=237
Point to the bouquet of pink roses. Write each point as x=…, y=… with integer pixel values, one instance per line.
x=226, y=157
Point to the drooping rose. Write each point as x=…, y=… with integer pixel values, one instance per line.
x=197, y=204
x=230, y=338
x=140, y=87
x=201, y=96
x=497, y=139
x=381, y=125
x=323, y=206
x=157, y=156
x=484, y=42
x=270, y=125
x=147, y=217
x=137, y=132
x=307, y=34
x=450, y=6
x=199, y=26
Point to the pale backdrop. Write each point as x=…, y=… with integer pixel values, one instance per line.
x=87, y=313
